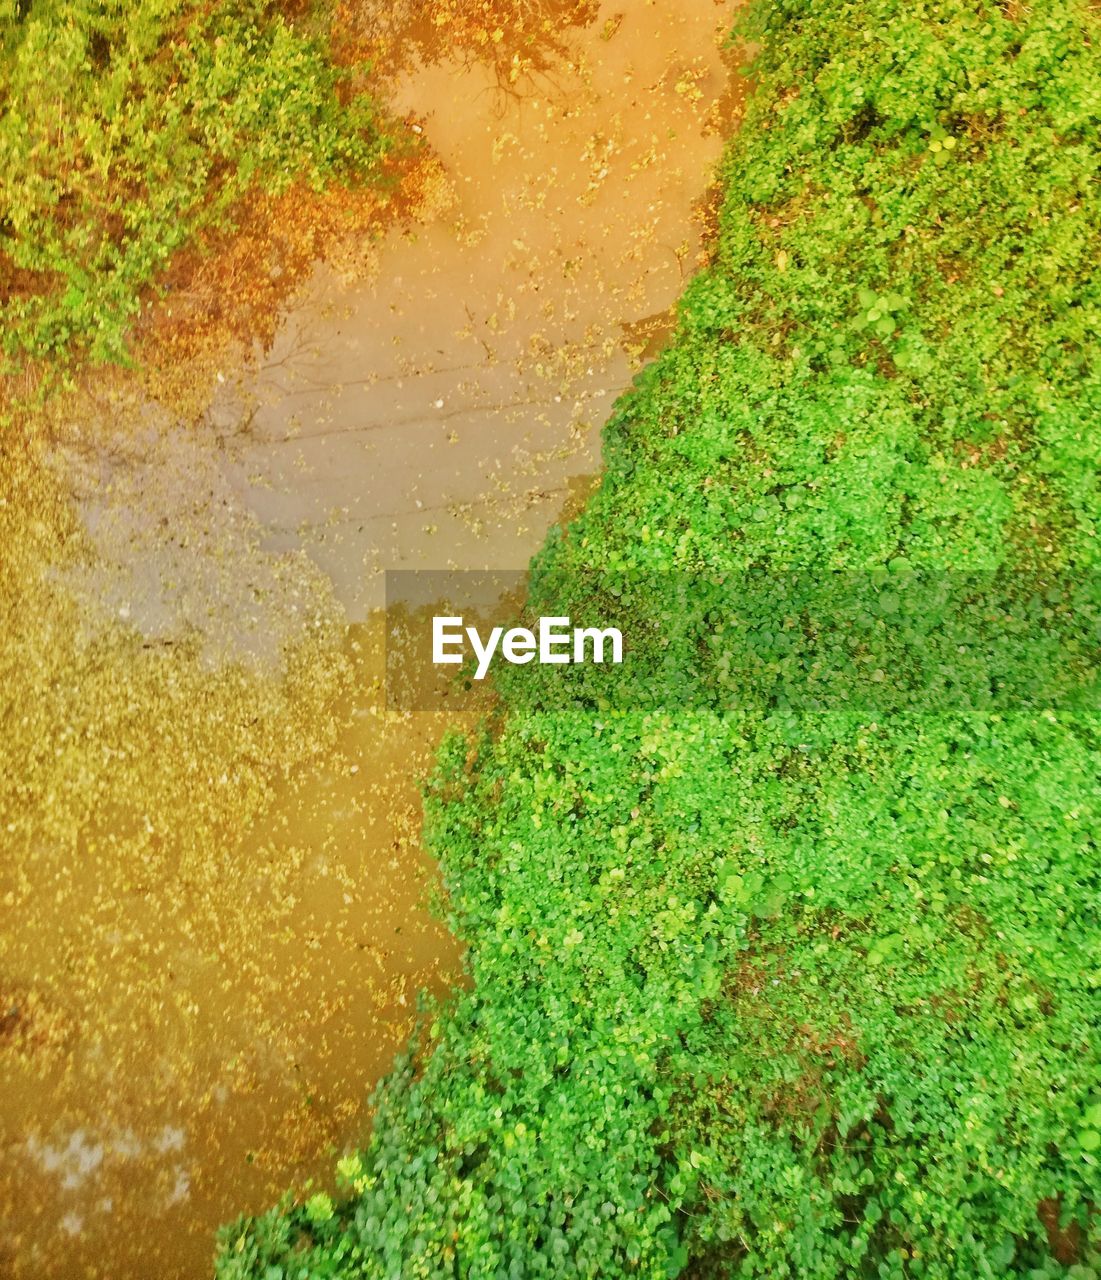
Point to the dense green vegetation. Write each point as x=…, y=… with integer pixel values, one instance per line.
x=774, y=988
x=128, y=125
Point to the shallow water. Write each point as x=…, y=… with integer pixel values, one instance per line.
x=436, y=415
x=215, y=1030
x=223, y=1032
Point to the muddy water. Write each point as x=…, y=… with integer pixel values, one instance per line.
x=212, y=1035
x=239, y=1020
x=436, y=415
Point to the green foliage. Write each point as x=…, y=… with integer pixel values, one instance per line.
x=127, y=126
x=798, y=990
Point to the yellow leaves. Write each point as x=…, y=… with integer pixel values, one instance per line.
x=687, y=85
x=611, y=26
x=782, y=260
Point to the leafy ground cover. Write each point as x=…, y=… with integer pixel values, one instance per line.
x=127, y=128
x=810, y=990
